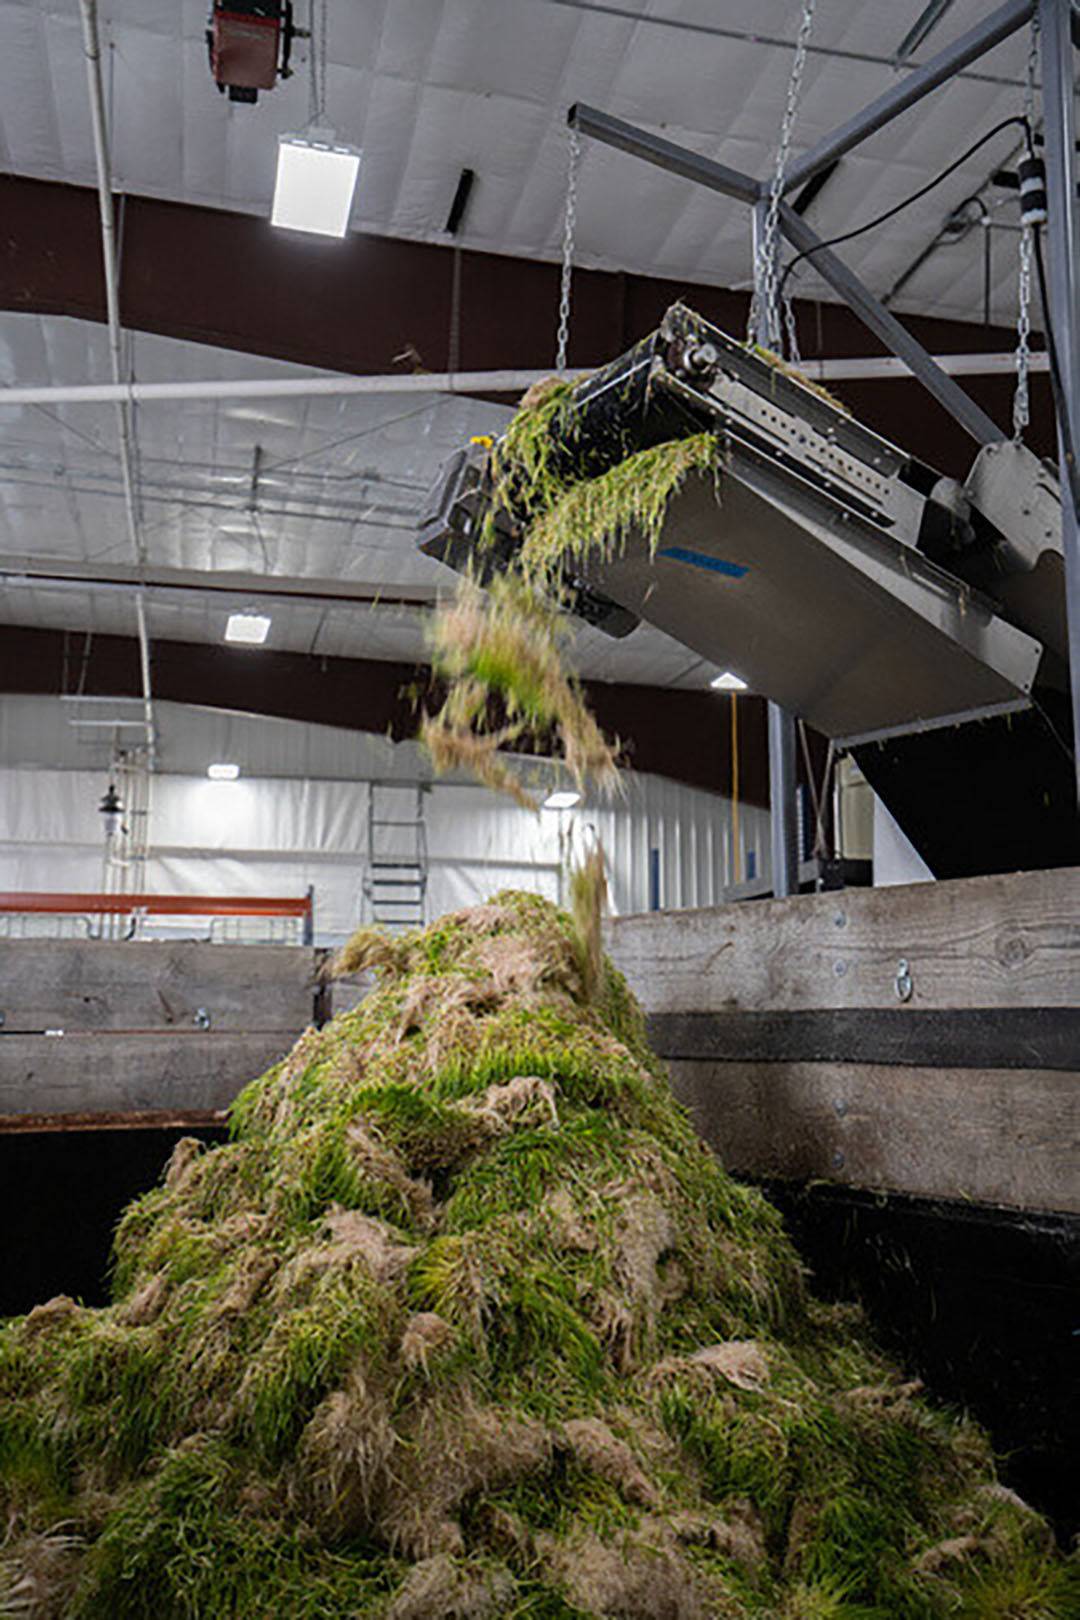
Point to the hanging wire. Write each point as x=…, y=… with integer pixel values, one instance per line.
x=1022, y=396
x=764, y=320
x=569, y=225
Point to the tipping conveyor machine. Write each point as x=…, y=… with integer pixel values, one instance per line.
x=914, y=620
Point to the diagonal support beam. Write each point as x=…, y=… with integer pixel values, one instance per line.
x=600, y=126
x=911, y=89
x=884, y=325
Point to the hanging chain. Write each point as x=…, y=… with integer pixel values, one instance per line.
x=317, y=62
x=322, y=60
x=569, y=224
x=1021, y=398
x=313, y=67
x=764, y=322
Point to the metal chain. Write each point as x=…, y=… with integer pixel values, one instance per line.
x=313, y=66
x=1021, y=398
x=764, y=319
x=569, y=225
x=322, y=61
x=789, y=326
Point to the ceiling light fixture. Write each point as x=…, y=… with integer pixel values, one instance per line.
x=316, y=178
x=247, y=629
x=562, y=799
x=727, y=682
x=224, y=771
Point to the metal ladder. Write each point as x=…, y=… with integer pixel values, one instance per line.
x=395, y=879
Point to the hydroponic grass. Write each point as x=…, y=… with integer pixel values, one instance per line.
x=466, y=1321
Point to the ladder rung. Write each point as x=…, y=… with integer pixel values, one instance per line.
x=382, y=821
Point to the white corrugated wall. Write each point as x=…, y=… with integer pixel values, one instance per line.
x=280, y=835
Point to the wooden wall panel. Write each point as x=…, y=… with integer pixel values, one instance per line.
x=112, y=1073
x=1006, y=941
x=788, y=1040
x=997, y=1136
x=153, y=985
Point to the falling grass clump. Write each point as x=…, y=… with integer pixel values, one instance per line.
x=501, y=653
x=465, y=1321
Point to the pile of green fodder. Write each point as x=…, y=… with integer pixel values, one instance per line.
x=466, y=1321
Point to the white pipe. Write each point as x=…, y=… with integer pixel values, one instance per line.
x=140, y=393
x=459, y=382
x=92, y=49
x=887, y=365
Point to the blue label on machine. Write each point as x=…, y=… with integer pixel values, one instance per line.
x=699, y=559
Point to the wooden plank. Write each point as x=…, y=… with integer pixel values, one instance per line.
x=1000, y=1136
x=1003, y=941
x=95, y=1073
x=147, y=1119
x=967, y=1038
x=154, y=985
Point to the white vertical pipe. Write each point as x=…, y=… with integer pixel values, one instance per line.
x=92, y=48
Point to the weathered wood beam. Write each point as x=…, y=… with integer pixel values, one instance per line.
x=1007, y=1137
x=154, y=986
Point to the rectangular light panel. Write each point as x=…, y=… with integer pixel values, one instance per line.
x=314, y=187
x=562, y=799
x=224, y=771
x=247, y=629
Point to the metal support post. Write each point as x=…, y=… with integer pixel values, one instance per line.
x=1059, y=123
x=783, y=821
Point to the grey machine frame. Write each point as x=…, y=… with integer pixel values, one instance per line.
x=1063, y=252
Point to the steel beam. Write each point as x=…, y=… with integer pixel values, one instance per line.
x=872, y=312
x=783, y=822
x=911, y=89
x=1059, y=123
x=600, y=126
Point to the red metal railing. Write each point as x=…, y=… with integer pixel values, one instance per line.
x=164, y=905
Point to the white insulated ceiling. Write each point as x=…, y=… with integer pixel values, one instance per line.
x=428, y=87
x=340, y=485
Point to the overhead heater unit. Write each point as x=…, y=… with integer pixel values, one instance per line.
x=250, y=42
x=916, y=621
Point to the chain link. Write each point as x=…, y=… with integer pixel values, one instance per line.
x=1021, y=398
x=569, y=225
x=764, y=316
